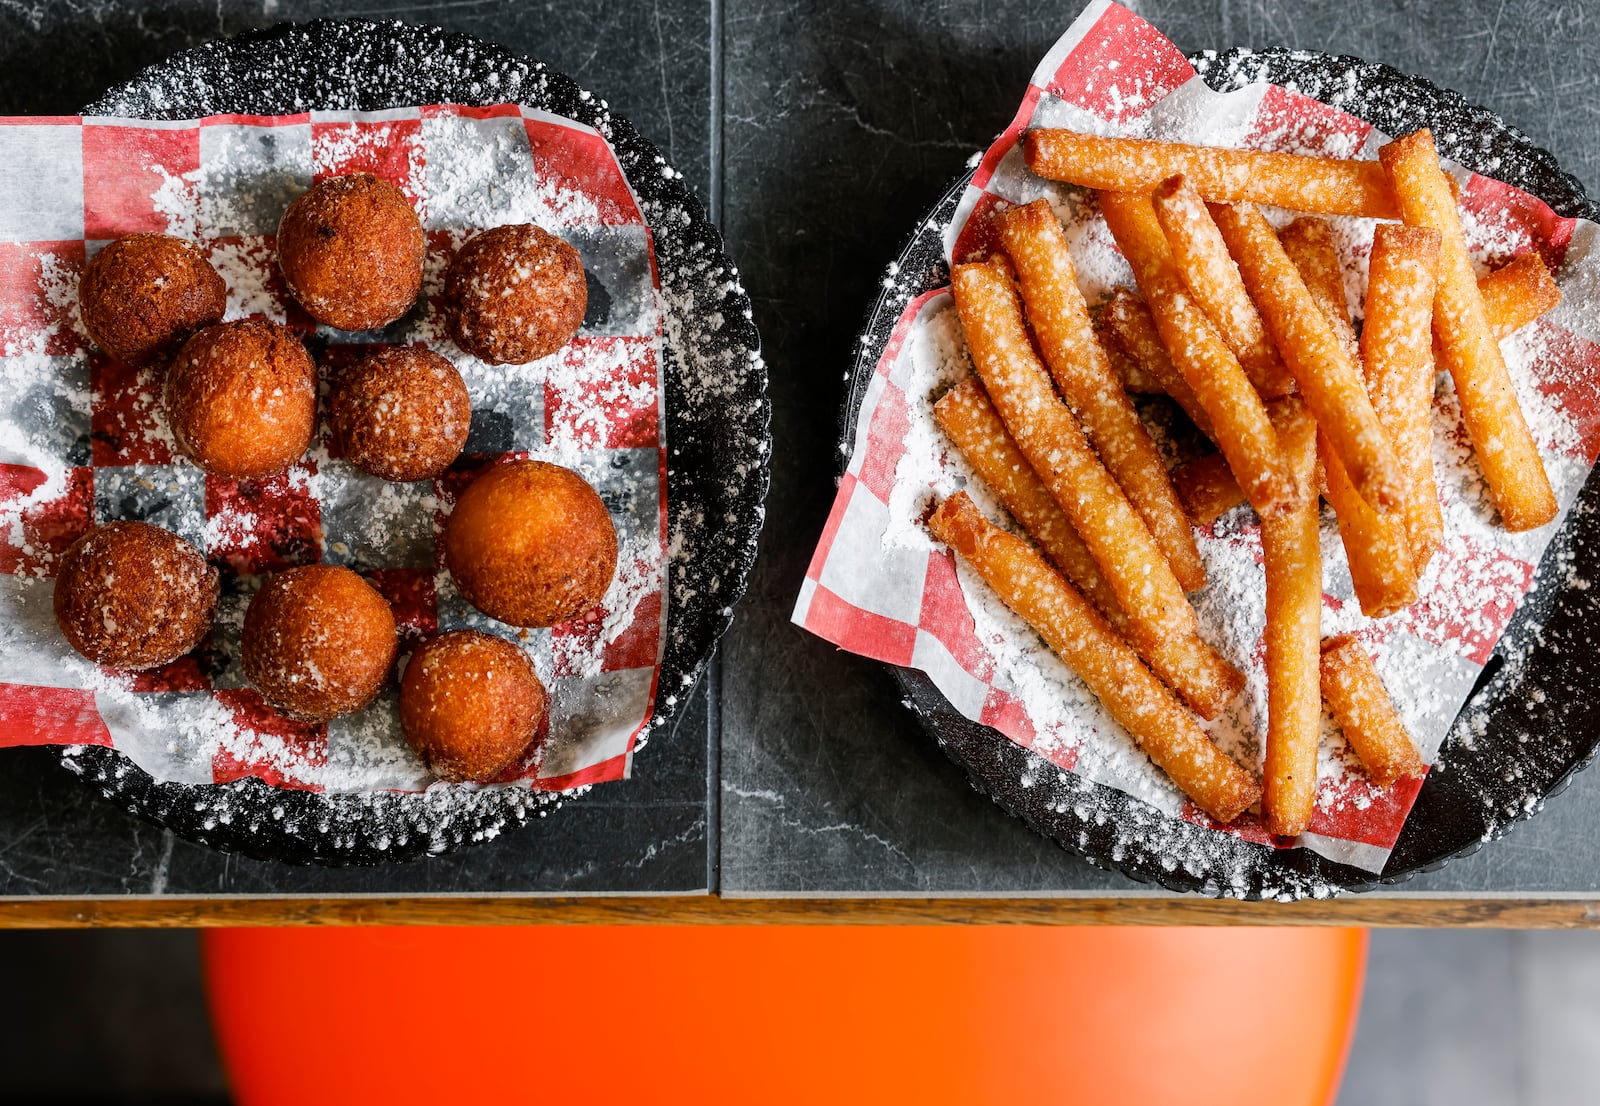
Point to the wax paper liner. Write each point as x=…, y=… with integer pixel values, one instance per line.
x=878, y=587
x=82, y=440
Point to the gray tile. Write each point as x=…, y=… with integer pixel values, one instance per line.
x=1558, y=1038
x=1439, y=1022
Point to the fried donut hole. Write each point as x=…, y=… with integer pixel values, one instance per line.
x=318, y=642
x=402, y=414
x=351, y=250
x=514, y=294
x=470, y=704
x=144, y=294
x=241, y=399
x=531, y=544
x=134, y=596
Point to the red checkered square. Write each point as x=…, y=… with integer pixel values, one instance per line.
x=1502, y=222
x=886, y=441
x=1293, y=123
x=49, y=716
x=389, y=149
x=1567, y=367
x=126, y=426
x=410, y=592
x=123, y=169
x=638, y=645
x=979, y=238
x=857, y=631
x=579, y=160
x=603, y=382
x=39, y=297
x=1006, y=713
x=946, y=617
x=283, y=753
x=1351, y=809
x=1120, y=68
x=1495, y=583
x=255, y=526
x=48, y=526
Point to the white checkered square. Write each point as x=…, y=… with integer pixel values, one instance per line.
x=249, y=175
x=41, y=178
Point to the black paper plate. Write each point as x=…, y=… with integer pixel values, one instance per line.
x=1533, y=691
x=718, y=469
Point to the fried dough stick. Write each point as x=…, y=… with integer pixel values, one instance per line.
x=1361, y=705
x=1033, y=240
x=1321, y=185
x=1513, y=296
x=1396, y=352
x=1376, y=543
x=1207, y=489
x=967, y=416
x=1493, y=417
x=1321, y=363
x=1081, y=638
x=1161, y=622
x=1240, y=426
x=1125, y=325
x=1291, y=552
x=1213, y=279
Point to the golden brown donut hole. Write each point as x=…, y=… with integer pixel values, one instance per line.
x=131, y=595
x=318, y=641
x=241, y=399
x=402, y=414
x=351, y=250
x=144, y=294
x=531, y=543
x=470, y=704
x=514, y=293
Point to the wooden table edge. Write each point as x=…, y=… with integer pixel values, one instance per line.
x=1532, y=912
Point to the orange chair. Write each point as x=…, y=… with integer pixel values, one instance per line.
x=770, y=1015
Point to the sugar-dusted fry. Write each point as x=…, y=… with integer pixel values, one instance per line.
x=1506, y=450
x=1321, y=364
x=1213, y=279
x=1239, y=420
x=1517, y=293
x=1377, y=546
x=1308, y=241
x=1161, y=622
x=1033, y=240
x=965, y=413
x=1125, y=324
x=1322, y=185
x=1081, y=638
x=1360, y=704
x=1291, y=554
x=1207, y=488
x=1135, y=380
x=1396, y=351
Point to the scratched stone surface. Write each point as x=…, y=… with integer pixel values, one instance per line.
x=844, y=122
x=818, y=130
x=650, y=833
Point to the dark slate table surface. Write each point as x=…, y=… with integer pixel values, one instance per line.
x=817, y=131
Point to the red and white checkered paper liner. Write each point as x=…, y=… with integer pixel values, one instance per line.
x=81, y=441
x=873, y=593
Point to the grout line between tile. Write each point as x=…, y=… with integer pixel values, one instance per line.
x=713, y=675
